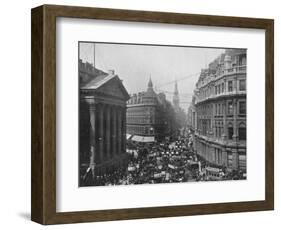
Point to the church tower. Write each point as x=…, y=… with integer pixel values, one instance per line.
x=150, y=85
x=176, y=99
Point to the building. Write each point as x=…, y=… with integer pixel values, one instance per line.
x=220, y=111
x=102, y=119
x=150, y=117
x=179, y=112
x=191, y=115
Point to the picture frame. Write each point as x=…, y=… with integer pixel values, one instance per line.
x=43, y=160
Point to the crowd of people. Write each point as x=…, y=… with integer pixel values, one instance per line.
x=162, y=162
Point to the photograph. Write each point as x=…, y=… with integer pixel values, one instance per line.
x=151, y=114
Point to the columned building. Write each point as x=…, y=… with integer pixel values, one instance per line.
x=220, y=111
x=102, y=120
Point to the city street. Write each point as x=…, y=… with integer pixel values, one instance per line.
x=165, y=162
x=142, y=132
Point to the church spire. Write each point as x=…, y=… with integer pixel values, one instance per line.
x=176, y=99
x=150, y=85
x=176, y=92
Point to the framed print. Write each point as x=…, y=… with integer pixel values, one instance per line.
x=140, y=114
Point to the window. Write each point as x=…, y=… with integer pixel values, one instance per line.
x=242, y=107
x=230, y=131
x=242, y=85
x=242, y=132
x=222, y=88
x=230, y=108
x=146, y=130
x=243, y=61
x=219, y=89
x=230, y=86
x=216, y=131
x=216, y=109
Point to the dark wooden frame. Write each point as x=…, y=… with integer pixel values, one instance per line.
x=43, y=199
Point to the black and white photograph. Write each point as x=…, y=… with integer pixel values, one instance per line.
x=151, y=114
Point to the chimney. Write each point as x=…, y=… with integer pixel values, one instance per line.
x=111, y=72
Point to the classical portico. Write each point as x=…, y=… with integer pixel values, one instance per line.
x=105, y=100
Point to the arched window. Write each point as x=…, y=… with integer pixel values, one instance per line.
x=230, y=131
x=242, y=131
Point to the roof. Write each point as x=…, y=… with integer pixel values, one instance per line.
x=97, y=81
x=94, y=79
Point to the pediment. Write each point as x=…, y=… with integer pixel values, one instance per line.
x=115, y=88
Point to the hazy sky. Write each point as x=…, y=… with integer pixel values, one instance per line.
x=134, y=64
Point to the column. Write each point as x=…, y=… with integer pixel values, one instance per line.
x=111, y=133
x=213, y=119
x=119, y=130
x=124, y=139
x=92, y=111
x=235, y=84
x=235, y=128
x=101, y=132
x=234, y=159
x=97, y=156
x=211, y=154
x=225, y=86
x=215, y=158
x=224, y=121
x=195, y=120
x=224, y=157
x=108, y=132
x=114, y=131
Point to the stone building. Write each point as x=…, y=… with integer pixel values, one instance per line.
x=220, y=111
x=150, y=117
x=191, y=115
x=102, y=120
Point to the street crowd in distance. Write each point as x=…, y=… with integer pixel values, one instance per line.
x=165, y=162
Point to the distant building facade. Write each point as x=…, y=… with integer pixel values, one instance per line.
x=150, y=117
x=179, y=112
x=218, y=114
x=176, y=98
x=191, y=115
x=102, y=120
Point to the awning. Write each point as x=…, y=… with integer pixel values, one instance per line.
x=217, y=170
x=143, y=139
x=128, y=136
